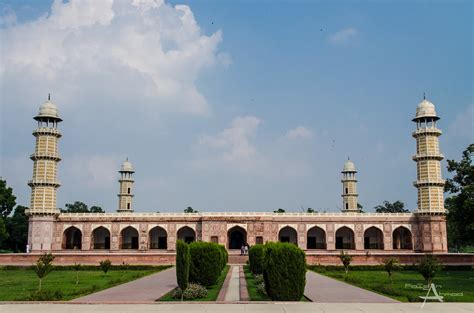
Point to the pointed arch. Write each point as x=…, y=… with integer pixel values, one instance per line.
x=373, y=238
x=345, y=238
x=129, y=238
x=236, y=237
x=316, y=238
x=187, y=234
x=100, y=238
x=402, y=239
x=72, y=238
x=158, y=238
x=288, y=234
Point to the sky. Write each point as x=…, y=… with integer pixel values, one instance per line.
x=233, y=105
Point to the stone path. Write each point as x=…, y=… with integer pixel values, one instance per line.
x=283, y=307
x=320, y=288
x=233, y=289
x=142, y=290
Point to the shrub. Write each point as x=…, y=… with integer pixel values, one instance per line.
x=390, y=265
x=256, y=259
x=346, y=260
x=43, y=266
x=105, y=266
x=183, y=260
x=261, y=288
x=194, y=291
x=428, y=267
x=77, y=268
x=258, y=279
x=284, y=271
x=224, y=256
x=205, y=266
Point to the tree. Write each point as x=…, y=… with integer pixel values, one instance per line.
x=387, y=207
x=44, y=265
x=183, y=260
x=390, y=264
x=310, y=210
x=346, y=260
x=17, y=228
x=190, y=210
x=7, y=199
x=428, y=267
x=77, y=268
x=280, y=210
x=460, y=205
x=81, y=207
x=105, y=266
x=3, y=233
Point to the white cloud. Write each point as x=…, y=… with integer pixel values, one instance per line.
x=299, y=132
x=343, y=35
x=143, y=52
x=93, y=171
x=235, y=141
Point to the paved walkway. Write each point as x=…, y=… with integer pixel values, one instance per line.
x=233, y=289
x=142, y=290
x=320, y=288
x=298, y=307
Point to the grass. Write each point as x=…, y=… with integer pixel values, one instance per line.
x=17, y=284
x=212, y=291
x=254, y=295
x=455, y=286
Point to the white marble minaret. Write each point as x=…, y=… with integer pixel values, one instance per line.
x=126, y=184
x=349, y=188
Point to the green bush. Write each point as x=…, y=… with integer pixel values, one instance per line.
x=224, y=256
x=45, y=295
x=105, y=266
x=183, y=259
x=256, y=259
x=206, y=262
x=428, y=267
x=194, y=291
x=284, y=271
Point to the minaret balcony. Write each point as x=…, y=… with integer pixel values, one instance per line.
x=47, y=131
x=44, y=182
x=350, y=195
x=126, y=180
x=427, y=131
x=431, y=182
x=125, y=195
x=42, y=211
x=45, y=156
x=428, y=156
x=349, y=180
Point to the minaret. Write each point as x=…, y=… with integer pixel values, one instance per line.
x=126, y=183
x=428, y=166
x=44, y=182
x=349, y=188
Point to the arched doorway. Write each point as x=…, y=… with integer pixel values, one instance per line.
x=187, y=234
x=72, y=239
x=402, y=239
x=373, y=238
x=129, y=238
x=101, y=238
x=345, y=238
x=316, y=238
x=158, y=238
x=236, y=237
x=288, y=234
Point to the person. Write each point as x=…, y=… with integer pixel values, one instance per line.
x=246, y=249
x=27, y=248
x=242, y=249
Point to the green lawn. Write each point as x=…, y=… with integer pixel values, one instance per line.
x=212, y=291
x=17, y=284
x=456, y=286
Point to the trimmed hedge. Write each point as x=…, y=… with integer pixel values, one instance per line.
x=224, y=256
x=183, y=259
x=284, y=271
x=206, y=263
x=256, y=259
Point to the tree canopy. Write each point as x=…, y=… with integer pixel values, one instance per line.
x=387, y=207
x=460, y=205
x=190, y=210
x=7, y=199
x=81, y=207
x=17, y=228
x=280, y=210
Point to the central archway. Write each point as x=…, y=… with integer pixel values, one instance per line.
x=187, y=234
x=129, y=238
x=373, y=238
x=236, y=237
x=345, y=238
x=158, y=238
x=288, y=234
x=402, y=239
x=316, y=238
x=72, y=239
x=101, y=238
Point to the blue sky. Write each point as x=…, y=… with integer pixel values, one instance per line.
x=258, y=110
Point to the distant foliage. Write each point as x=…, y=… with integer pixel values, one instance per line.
x=190, y=210
x=256, y=259
x=280, y=210
x=206, y=263
x=183, y=260
x=284, y=271
x=81, y=207
x=346, y=260
x=387, y=207
x=105, y=266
